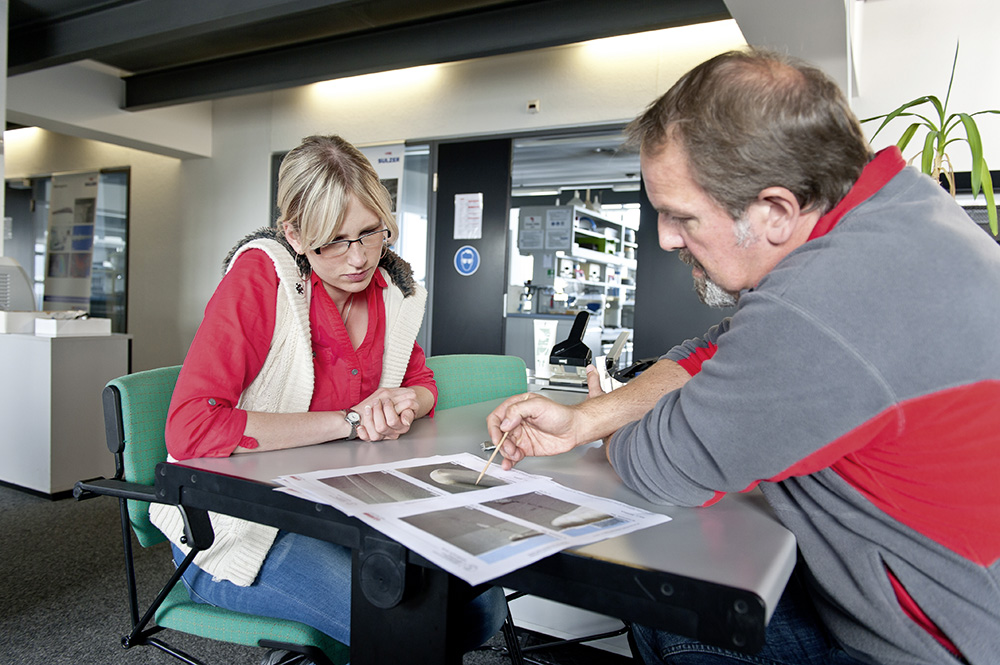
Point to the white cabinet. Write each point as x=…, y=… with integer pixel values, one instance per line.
x=51, y=417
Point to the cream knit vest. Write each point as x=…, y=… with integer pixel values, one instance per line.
x=285, y=385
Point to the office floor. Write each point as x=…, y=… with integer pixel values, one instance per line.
x=63, y=600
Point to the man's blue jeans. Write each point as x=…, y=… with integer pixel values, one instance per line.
x=309, y=580
x=794, y=636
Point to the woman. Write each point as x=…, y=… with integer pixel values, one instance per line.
x=308, y=338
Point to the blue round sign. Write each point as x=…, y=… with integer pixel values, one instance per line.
x=467, y=260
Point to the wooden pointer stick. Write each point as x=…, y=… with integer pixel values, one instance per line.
x=490, y=460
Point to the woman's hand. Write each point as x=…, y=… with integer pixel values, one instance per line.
x=387, y=413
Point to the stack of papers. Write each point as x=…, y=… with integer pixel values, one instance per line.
x=478, y=532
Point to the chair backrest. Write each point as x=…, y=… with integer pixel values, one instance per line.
x=470, y=378
x=135, y=414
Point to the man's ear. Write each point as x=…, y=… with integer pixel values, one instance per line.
x=781, y=214
x=292, y=237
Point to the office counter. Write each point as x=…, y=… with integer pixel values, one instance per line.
x=50, y=408
x=714, y=573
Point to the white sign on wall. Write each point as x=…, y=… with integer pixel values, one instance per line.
x=468, y=216
x=387, y=160
x=69, y=250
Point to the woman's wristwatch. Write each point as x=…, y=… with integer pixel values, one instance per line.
x=353, y=419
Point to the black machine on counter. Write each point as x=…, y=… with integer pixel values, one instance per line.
x=569, y=358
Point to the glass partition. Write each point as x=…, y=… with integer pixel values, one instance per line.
x=88, y=242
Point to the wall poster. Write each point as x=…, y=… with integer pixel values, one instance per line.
x=468, y=216
x=70, y=245
x=387, y=160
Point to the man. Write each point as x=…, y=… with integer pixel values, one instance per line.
x=856, y=384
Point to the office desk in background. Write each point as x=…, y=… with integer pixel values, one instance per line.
x=713, y=573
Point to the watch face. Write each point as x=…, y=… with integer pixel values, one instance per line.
x=353, y=417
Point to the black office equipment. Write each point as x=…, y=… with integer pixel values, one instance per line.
x=572, y=353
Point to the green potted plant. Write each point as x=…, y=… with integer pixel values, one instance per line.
x=941, y=128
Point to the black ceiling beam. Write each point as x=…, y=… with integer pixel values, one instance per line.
x=490, y=31
x=111, y=29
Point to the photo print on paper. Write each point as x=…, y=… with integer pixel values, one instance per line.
x=451, y=477
x=549, y=512
x=471, y=530
x=377, y=487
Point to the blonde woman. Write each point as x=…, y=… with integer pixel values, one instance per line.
x=308, y=338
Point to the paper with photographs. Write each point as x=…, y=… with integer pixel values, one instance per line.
x=432, y=506
x=360, y=488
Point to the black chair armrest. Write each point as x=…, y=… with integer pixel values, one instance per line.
x=88, y=489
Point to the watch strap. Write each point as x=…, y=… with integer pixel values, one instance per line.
x=353, y=419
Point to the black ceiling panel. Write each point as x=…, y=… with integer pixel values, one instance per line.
x=179, y=51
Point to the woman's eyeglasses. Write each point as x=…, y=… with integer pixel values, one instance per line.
x=369, y=242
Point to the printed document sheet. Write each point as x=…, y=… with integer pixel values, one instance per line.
x=476, y=532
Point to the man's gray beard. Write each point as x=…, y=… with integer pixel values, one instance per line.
x=714, y=295
x=708, y=291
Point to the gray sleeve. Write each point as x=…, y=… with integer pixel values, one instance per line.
x=780, y=387
x=690, y=346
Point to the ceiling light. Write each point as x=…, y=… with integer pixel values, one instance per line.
x=535, y=192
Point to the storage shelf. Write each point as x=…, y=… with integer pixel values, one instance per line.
x=554, y=235
x=598, y=257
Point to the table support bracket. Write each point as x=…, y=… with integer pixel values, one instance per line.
x=383, y=571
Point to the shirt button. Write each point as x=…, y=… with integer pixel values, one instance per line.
x=211, y=402
x=354, y=371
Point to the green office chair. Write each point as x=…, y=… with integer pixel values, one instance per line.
x=135, y=413
x=469, y=378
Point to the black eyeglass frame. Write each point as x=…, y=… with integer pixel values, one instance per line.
x=361, y=239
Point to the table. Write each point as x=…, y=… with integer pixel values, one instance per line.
x=713, y=573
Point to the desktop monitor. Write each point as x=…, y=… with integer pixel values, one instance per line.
x=16, y=294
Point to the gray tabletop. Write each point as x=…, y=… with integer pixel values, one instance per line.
x=737, y=542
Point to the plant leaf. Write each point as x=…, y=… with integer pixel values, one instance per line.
x=931, y=125
x=976, y=146
x=951, y=79
x=892, y=115
x=927, y=155
x=938, y=106
x=991, y=204
x=904, y=140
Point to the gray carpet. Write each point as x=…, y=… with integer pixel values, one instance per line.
x=63, y=599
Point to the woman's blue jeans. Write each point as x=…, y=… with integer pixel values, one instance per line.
x=794, y=636
x=309, y=580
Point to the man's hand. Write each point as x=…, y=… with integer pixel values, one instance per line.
x=594, y=382
x=537, y=426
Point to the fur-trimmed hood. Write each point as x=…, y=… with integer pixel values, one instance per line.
x=398, y=270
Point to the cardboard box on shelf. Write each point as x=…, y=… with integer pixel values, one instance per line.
x=72, y=327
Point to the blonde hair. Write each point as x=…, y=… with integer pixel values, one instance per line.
x=315, y=183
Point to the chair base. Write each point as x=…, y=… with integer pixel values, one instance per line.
x=522, y=653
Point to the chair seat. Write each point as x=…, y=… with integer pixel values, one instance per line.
x=179, y=612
